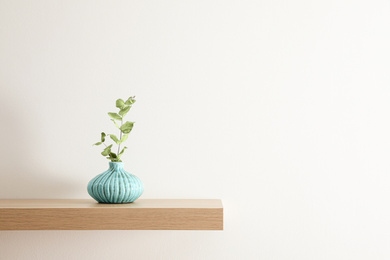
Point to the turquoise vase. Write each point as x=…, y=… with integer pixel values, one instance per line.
x=115, y=185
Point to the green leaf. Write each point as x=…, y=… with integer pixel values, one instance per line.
x=124, y=111
x=98, y=143
x=103, y=136
x=120, y=103
x=115, y=116
x=112, y=155
x=107, y=151
x=114, y=138
x=127, y=127
x=124, y=138
x=115, y=123
x=123, y=150
x=130, y=101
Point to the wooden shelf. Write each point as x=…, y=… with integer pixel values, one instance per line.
x=85, y=214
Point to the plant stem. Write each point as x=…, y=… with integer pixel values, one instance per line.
x=120, y=136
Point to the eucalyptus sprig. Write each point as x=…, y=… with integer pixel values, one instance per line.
x=124, y=130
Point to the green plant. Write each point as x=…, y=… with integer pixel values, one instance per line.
x=124, y=128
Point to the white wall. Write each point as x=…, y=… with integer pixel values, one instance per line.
x=280, y=108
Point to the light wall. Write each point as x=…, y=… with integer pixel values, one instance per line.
x=279, y=108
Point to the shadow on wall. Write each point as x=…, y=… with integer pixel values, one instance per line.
x=22, y=173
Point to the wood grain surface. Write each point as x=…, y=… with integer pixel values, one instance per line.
x=143, y=214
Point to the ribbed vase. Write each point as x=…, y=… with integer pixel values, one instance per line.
x=115, y=185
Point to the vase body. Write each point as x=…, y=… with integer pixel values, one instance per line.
x=115, y=185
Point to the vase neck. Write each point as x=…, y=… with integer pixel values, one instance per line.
x=116, y=165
